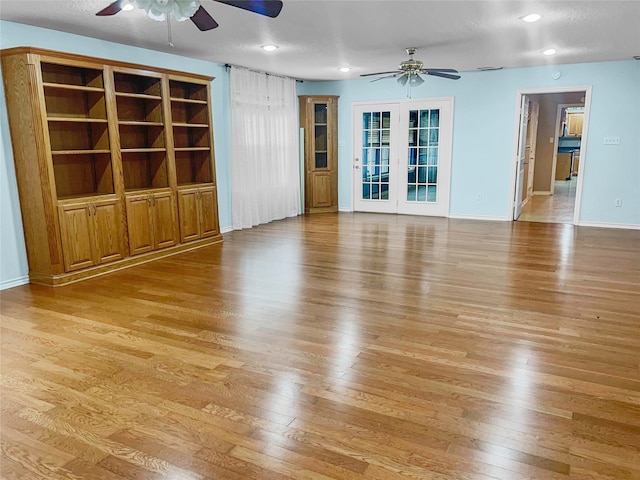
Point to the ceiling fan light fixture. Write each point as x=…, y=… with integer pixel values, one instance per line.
x=549, y=51
x=344, y=69
x=160, y=9
x=269, y=48
x=415, y=80
x=402, y=80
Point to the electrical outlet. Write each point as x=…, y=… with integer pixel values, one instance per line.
x=552, y=139
x=618, y=202
x=611, y=141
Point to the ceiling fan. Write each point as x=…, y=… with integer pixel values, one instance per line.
x=409, y=72
x=191, y=9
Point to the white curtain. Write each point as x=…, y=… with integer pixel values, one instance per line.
x=265, y=166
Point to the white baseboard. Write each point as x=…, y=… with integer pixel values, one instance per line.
x=226, y=229
x=16, y=282
x=625, y=226
x=349, y=210
x=489, y=218
x=542, y=193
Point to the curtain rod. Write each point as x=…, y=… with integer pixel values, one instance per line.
x=228, y=66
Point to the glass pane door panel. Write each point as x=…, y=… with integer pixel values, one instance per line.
x=321, y=160
x=321, y=138
x=423, y=150
x=376, y=140
x=320, y=148
x=320, y=113
x=435, y=118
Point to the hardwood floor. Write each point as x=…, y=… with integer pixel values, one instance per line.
x=556, y=208
x=336, y=346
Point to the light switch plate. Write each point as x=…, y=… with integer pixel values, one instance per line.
x=611, y=141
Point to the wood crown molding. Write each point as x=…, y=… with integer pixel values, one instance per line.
x=105, y=61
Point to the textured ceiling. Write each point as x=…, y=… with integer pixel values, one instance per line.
x=317, y=37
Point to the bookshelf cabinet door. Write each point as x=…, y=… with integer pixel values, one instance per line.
x=208, y=212
x=108, y=236
x=164, y=220
x=188, y=204
x=76, y=234
x=139, y=224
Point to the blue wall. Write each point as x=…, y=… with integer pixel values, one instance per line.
x=484, y=113
x=482, y=138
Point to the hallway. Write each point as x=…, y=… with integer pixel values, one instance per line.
x=556, y=208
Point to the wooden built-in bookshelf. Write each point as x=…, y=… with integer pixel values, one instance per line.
x=114, y=162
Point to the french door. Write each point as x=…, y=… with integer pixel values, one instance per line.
x=402, y=157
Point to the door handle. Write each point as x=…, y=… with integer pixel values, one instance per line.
x=357, y=167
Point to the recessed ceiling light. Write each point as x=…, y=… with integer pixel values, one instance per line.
x=549, y=51
x=127, y=7
x=532, y=17
x=344, y=69
x=269, y=48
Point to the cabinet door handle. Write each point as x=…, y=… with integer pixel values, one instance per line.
x=88, y=210
x=149, y=200
x=93, y=207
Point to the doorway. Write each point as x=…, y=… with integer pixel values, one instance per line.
x=402, y=156
x=550, y=154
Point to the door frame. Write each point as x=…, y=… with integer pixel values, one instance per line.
x=583, y=151
x=399, y=102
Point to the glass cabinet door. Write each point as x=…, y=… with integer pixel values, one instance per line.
x=320, y=140
x=319, y=118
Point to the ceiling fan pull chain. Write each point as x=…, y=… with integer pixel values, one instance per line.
x=169, y=30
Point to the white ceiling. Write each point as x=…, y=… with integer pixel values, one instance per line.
x=318, y=36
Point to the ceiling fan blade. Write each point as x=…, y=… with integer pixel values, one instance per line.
x=268, y=8
x=443, y=75
x=112, y=9
x=445, y=70
x=382, y=78
x=380, y=73
x=203, y=20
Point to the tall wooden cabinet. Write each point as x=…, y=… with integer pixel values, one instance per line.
x=102, y=151
x=319, y=119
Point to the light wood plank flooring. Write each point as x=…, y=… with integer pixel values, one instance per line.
x=350, y=346
x=556, y=208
